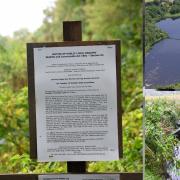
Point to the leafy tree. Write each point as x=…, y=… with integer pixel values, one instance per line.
x=175, y=9
x=154, y=13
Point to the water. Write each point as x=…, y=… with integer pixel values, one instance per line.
x=172, y=27
x=162, y=62
x=172, y=171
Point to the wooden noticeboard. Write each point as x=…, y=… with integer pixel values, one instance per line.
x=72, y=34
x=82, y=61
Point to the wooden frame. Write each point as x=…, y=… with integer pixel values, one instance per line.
x=31, y=86
x=123, y=176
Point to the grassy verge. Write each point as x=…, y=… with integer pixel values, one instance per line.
x=148, y=1
x=170, y=87
x=173, y=16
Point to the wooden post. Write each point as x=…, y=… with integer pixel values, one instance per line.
x=72, y=32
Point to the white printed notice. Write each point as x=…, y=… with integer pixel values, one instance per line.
x=80, y=177
x=76, y=103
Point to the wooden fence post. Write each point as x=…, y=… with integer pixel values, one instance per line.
x=72, y=32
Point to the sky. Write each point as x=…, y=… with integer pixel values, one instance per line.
x=18, y=14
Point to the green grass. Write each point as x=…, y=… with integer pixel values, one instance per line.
x=173, y=16
x=150, y=176
x=149, y=1
x=175, y=86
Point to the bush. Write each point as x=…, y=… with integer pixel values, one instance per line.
x=160, y=118
x=175, y=9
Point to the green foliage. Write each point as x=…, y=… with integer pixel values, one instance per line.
x=175, y=7
x=150, y=176
x=23, y=164
x=102, y=20
x=153, y=13
x=132, y=144
x=175, y=86
x=13, y=120
x=13, y=62
x=14, y=132
x=160, y=117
